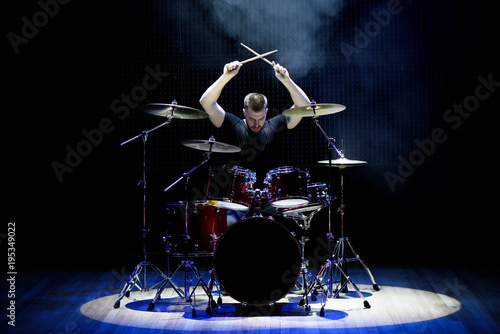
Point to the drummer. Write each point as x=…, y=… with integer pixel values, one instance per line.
x=258, y=137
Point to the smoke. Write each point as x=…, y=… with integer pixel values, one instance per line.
x=295, y=28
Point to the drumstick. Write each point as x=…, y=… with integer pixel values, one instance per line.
x=255, y=53
x=257, y=57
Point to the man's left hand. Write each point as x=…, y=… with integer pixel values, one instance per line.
x=281, y=72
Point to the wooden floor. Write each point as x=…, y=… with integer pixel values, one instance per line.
x=410, y=300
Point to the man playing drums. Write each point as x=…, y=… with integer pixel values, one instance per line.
x=258, y=137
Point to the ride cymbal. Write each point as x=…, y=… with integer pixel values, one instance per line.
x=314, y=110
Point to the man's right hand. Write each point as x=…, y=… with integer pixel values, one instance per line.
x=231, y=69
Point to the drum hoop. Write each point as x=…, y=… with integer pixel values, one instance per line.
x=287, y=169
x=248, y=174
x=316, y=184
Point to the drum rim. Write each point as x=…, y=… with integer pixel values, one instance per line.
x=315, y=184
x=288, y=168
x=278, y=199
x=233, y=168
x=191, y=254
x=244, y=205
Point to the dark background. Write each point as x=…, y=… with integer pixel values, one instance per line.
x=397, y=86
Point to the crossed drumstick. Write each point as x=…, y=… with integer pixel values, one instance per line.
x=261, y=56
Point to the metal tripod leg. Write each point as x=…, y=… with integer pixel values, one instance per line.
x=348, y=280
x=134, y=280
x=339, y=255
x=322, y=273
x=188, y=293
x=168, y=280
x=303, y=275
x=304, y=287
x=211, y=302
x=213, y=280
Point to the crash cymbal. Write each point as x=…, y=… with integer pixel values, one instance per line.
x=342, y=162
x=205, y=145
x=311, y=110
x=179, y=112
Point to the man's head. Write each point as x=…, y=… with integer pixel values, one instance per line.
x=255, y=111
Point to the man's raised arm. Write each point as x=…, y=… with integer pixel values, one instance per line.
x=209, y=99
x=298, y=96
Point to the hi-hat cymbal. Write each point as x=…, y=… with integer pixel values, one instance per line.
x=209, y=145
x=342, y=162
x=177, y=111
x=314, y=109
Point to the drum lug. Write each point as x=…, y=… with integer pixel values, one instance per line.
x=292, y=233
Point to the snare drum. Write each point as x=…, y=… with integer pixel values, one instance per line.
x=318, y=196
x=287, y=187
x=229, y=187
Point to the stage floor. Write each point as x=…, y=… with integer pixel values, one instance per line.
x=410, y=300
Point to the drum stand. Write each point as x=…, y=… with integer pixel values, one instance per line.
x=327, y=270
x=336, y=259
x=336, y=262
x=298, y=214
x=339, y=251
x=304, y=263
x=142, y=266
x=189, y=267
x=189, y=293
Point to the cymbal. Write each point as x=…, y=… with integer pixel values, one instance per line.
x=311, y=110
x=205, y=145
x=342, y=163
x=179, y=112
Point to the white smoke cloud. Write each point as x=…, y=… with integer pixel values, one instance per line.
x=292, y=27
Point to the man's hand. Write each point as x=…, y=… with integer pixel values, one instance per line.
x=281, y=72
x=231, y=69
x=298, y=96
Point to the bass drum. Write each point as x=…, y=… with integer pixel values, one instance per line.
x=257, y=261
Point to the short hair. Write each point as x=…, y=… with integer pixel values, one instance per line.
x=255, y=101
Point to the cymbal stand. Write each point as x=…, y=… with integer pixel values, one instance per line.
x=331, y=146
x=144, y=264
x=339, y=251
x=189, y=267
x=328, y=266
x=213, y=278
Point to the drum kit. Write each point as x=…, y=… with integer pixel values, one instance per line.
x=257, y=260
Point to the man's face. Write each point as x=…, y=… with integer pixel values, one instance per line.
x=255, y=119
